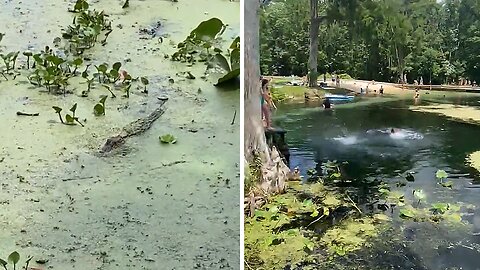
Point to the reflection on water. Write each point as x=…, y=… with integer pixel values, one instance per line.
x=419, y=143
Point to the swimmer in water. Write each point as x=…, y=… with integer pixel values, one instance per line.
x=392, y=130
x=326, y=104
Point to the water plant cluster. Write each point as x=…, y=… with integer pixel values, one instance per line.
x=85, y=29
x=53, y=69
x=9, y=60
x=316, y=221
x=204, y=45
x=13, y=259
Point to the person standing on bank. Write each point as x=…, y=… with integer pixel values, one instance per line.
x=266, y=103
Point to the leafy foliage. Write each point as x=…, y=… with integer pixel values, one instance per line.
x=168, y=139
x=437, y=41
x=87, y=26
x=203, y=45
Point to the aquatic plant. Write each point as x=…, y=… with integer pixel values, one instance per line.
x=80, y=5
x=70, y=119
x=99, y=108
x=109, y=90
x=442, y=176
x=28, y=54
x=201, y=42
x=87, y=25
x=14, y=258
x=9, y=60
x=168, y=139
x=51, y=70
x=126, y=4
x=232, y=65
x=145, y=82
x=419, y=195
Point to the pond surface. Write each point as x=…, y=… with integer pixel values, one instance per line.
x=150, y=206
x=360, y=134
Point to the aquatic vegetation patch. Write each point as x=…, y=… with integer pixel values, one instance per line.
x=168, y=139
x=85, y=29
x=351, y=235
x=13, y=259
x=460, y=113
x=268, y=242
x=70, y=119
x=283, y=231
x=204, y=45
x=99, y=108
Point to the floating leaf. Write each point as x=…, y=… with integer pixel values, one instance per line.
x=228, y=77
x=77, y=62
x=448, y=184
x=441, y=174
x=14, y=257
x=103, y=99
x=235, y=43
x=117, y=66
x=144, y=80
x=168, y=138
x=419, y=194
x=310, y=245
x=69, y=119
x=440, y=207
x=98, y=110
x=74, y=108
x=57, y=109
x=274, y=209
x=208, y=29
x=222, y=62
x=407, y=213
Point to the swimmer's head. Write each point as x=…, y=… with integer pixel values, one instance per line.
x=392, y=130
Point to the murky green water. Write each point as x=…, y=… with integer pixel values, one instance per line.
x=152, y=207
x=358, y=133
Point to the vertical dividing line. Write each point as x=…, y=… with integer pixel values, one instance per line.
x=242, y=141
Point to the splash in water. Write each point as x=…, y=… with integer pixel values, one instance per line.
x=347, y=140
x=405, y=134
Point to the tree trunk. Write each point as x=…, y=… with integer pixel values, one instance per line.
x=274, y=170
x=312, y=58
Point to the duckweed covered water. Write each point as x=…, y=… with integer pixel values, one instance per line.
x=149, y=206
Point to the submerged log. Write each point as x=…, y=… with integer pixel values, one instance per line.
x=135, y=128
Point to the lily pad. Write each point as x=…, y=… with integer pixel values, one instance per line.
x=448, y=184
x=208, y=29
x=99, y=109
x=168, y=138
x=228, y=77
x=441, y=174
x=14, y=257
x=69, y=119
x=407, y=213
x=440, y=207
x=419, y=194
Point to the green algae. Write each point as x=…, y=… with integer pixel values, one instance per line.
x=281, y=233
x=351, y=235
